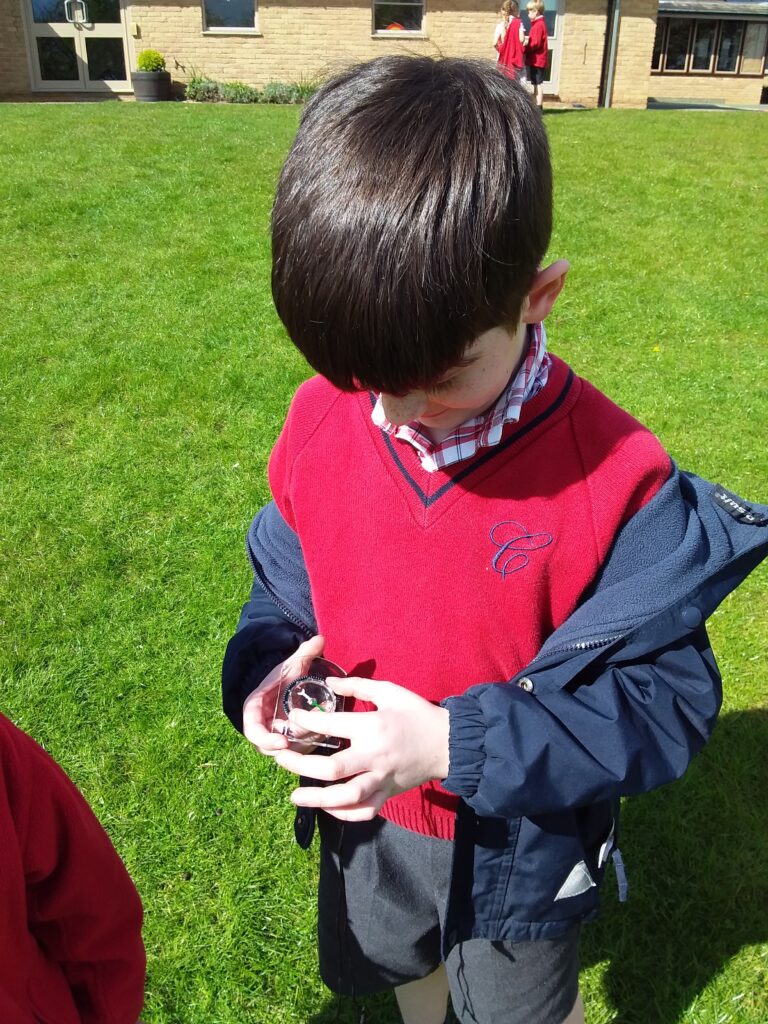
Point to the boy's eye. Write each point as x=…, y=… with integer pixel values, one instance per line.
x=445, y=385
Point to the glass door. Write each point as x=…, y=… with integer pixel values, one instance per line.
x=77, y=45
x=553, y=18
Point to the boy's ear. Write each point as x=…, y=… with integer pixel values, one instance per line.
x=547, y=285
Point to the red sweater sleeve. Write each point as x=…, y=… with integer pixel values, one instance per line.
x=82, y=907
x=536, y=47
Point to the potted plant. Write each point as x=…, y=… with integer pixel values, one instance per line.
x=151, y=82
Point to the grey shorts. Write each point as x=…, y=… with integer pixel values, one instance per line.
x=381, y=904
x=535, y=75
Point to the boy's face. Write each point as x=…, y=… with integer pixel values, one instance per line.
x=464, y=391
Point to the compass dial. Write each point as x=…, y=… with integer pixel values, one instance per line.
x=309, y=693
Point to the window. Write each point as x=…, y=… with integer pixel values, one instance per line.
x=753, y=50
x=228, y=15
x=730, y=41
x=705, y=46
x=658, y=44
x=677, y=44
x=550, y=17
x=403, y=17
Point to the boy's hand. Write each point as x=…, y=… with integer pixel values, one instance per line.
x=259, y=706
x=400, y=745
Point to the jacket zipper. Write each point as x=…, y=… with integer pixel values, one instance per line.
x=580, y=645
x=588, y=645
x=273, y=597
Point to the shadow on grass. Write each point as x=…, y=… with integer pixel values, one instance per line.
x=380, y=1009
x=698, y=871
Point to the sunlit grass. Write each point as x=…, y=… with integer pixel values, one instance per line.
x=144, y=377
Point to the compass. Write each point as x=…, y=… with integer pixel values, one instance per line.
x=308, y=693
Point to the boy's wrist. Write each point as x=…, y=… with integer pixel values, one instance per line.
x=441, y=744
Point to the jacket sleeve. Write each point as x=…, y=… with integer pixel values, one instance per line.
x=619, y=727
x=82, y=907
x=626, y=692
x=278, y=615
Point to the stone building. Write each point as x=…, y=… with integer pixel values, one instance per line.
x=602, y=52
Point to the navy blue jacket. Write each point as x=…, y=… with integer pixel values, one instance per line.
x=617, y=702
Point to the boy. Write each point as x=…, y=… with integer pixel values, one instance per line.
x=536, y=50
x=71, y=923
x=509, y=568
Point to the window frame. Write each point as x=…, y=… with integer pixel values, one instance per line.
x=764, y=60
x=664, y=53
x=698, y=22
x=664, y=22
x=231, y=30
x=737, y=66
x=389, y=33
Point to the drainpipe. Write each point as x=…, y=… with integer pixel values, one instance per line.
x=609, y=56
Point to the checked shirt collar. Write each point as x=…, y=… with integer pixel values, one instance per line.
x=485, y=430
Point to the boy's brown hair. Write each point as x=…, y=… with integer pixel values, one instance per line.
x=411, y=215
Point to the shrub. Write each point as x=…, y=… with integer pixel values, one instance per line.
x=306, y=90
x=150, y=60
x=203, y=90
x=238, y=92
x=280, y=92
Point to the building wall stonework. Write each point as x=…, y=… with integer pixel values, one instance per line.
x=14, y=68
x=298, y=41
x=637, y=30
x=716, y=88
x=581, y=57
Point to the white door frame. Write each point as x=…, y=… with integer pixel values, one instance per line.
x=77, y=26
x=552, y=87
x=554, y=42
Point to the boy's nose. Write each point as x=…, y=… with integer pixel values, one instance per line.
x=404, y=408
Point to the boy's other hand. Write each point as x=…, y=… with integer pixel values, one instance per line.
x=397, y=747
x=259, y=706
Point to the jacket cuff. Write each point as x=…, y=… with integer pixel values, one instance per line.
x=466, y=745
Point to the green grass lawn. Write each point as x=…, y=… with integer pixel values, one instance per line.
x=144, y=378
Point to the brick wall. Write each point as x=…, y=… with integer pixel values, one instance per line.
x=302, y=41
x=582, y=52
x=720, y=88
x=14, y=69
x=633, y=55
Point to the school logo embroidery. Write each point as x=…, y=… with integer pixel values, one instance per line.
x=513, y=542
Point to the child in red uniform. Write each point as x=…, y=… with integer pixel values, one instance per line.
x=509, y=567
x=70, y=938
x=536, y=50
x=508, y=39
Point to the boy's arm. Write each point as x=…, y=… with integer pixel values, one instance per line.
x=617, y=728
x=627, y=691
x=277, y=618
x=82, y=907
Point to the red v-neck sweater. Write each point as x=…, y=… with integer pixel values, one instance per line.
x=439, y=581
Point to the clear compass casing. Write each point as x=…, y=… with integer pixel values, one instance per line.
x=309, y=692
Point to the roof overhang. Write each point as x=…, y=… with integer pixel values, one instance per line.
x=752, y=9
